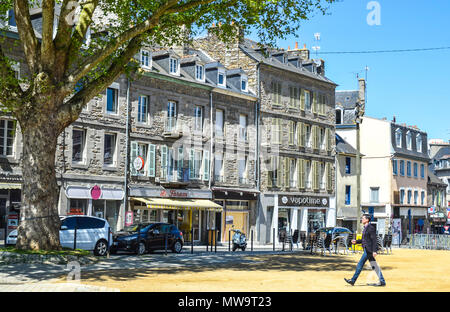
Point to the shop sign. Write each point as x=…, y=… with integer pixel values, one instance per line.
x=174, y=193
x=96, y=192
x=170, y=193
x=138, y=163
x=128, y=218
x=432, y=209
x=229, y=220
x=304, y=201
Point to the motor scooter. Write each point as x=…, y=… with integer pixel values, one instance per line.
x=239, y=240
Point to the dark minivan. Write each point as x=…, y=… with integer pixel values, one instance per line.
x=151, y=237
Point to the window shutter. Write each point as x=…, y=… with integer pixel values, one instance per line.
x=314, y=139
x=206, y=165
x=151, y=160
x=286, y=172
x=302, y=99
x=329, y=139
x=180, y=164
x=316, y=175
x=134, y=154
x=279, y=94
x=314, y=106
x=163, y=173
x=191, y=164
x=301, y=173
x=330, y=177
x=269, y=172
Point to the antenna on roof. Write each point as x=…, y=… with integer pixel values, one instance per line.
x=316, y=47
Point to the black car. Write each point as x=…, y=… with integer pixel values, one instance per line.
x=151, y=237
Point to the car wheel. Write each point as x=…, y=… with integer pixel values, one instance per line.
x=101, y=248
x=177, y=247
x=141, y=248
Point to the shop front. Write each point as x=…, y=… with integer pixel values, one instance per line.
x=413, y=220
x=191, y=211
x=10, y=201
x=97, y=201
x=437, y=221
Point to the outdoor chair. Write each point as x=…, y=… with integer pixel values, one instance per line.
x=324, y=243
x=295, y=238
x=303, y=239
x=387, y=242
x=341, y=241
x=312, y=242
x=380, y=243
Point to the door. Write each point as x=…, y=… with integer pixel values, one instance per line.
x=196, y=224
x=155, y=238
x=3, y=218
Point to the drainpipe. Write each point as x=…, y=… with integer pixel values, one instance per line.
x=211, y=140
x=257, y=160
x=127, y=135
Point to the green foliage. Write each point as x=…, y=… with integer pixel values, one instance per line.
x=64, y=252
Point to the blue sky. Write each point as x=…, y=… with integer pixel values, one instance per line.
x=413, y=86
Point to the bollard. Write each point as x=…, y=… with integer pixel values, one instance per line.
x=273, y=239
x=192, y=241
x=215, y=240
x=252, y=240
x=138, y=238
x=229, y=240
x=109, y=241
x=165, y=244
x=207, y=241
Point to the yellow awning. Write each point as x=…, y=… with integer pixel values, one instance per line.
x=10, y=186
x=169, y=203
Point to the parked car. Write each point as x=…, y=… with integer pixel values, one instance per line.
x=92, y=234
x=11, y=239
x=151, y=237
x=334, y=230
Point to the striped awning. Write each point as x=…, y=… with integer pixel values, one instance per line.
x=187, y=204
x=10, y=186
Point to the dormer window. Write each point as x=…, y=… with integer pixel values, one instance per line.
x=408, y=140
x=244, y=84
x=419, y=143
x=200, y=72
x=174, y=66
x=11, y=18
x=145, y=59
x=398, y=137
x=221, y=78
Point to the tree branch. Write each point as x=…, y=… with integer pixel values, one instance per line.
x=10, y=91
x=71, y=109
x=64, y=32
x=91, y=62
x=47, y=45
x=187, y=6
x=28, y=38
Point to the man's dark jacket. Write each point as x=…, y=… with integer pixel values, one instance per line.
x=369, y=239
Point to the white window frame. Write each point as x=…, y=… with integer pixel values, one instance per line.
x=372, y=189
x=243, y=128
x=115, y=86
x=243, y=175
x=308, y=101
x=244, y=79
x=398, y=137
x=149, y=59
x=3, y=153
x=409, y=140
x=218, y=174
x=83, y=146
x=419, y=143
x=220, y=133
x=198, y=119
x=171, y=61
x=11, y=27
x=114, y=156
x=199, y=68
x=147, y=113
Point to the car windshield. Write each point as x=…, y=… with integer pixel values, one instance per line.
x=134, y=227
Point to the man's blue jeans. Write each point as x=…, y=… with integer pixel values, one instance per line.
x=373, y=264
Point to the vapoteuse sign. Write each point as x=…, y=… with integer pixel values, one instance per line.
x=303, y=201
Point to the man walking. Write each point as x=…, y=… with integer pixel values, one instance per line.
x=369, y=243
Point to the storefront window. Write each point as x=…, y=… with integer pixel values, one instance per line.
x=78, y=206
x=316, y=219
x=283, y=223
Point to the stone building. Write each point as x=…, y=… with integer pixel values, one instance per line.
x=440, y=163
x=437, y=211
x=296, y=143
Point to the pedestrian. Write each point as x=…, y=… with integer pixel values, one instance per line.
x=369, y=243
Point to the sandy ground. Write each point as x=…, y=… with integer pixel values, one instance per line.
x=405, y=270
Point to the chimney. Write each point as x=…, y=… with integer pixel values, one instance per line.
x=304, y=53
x=362, y=94
x=394, y=119
x=296, y=45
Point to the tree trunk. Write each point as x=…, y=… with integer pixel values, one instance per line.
x=39, y=227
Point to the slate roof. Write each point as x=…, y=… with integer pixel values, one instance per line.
x=343, y=147
x=252, y=49
x=432, y=178
x=443, y=153
x=346, y=99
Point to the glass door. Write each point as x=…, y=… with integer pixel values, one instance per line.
x=196, y=224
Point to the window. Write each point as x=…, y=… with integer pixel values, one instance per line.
x=347, y=194
x=292, y=173
x=402, y=196
x=78, y=143
x=308, y=135
x=109, y=149
x=408, y=140
x=244, y=84
x=402, y=168
x=416, y=197
x=419, y=143
x=308, y=170
x=374, y=194
x=198, y=118
x=294, y=99
x=219, y=123
x=221, y=79
x=84, y=223
x=274, y=175
x=171, y=121
x=76, y=207
x=415, y=166
x=243, y=127
x=143, y=109
x=7, y=133
x=291, y=132
x=174, y=68
x=348, y=165
x=112, y=100
x=11, y=18
x=200, y=72
x=142, y=152
x=308, y=100
x=398, y=137
x=322, y=139
x=422, y=171
x=276, y=131
x=408, y=168
x=322, y=181
x=409, y=196
x=338, y=116
x=145, y=59
x=422, y=198
x=195, y=164
x=276, y=93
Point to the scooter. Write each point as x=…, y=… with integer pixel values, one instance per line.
x=239, y=240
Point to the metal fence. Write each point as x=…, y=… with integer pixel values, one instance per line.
x=429, y=241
